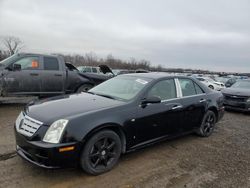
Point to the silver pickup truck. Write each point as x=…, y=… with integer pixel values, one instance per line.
x=43, y=75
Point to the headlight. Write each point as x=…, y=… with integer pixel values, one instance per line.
x=54, y=133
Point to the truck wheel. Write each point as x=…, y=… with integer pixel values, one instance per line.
x=101, y=152
x=84, y=88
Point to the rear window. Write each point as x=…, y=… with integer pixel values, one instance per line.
x=187, y=87
x=50, y=63
x=198, y=89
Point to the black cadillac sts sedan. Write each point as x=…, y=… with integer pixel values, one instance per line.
x=123, y=114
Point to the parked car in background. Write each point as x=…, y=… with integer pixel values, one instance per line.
x=221, y=79
x=43, y=75
x=89, y=69
x=209, y=82
x=123, y=114
x=125, y=71
x=237, y=97
x=230, y=82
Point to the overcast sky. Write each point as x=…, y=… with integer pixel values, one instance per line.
x=200, y=34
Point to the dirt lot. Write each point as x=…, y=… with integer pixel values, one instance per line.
x=222, y=160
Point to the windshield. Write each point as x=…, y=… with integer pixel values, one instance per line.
x=8, y=60
x=242, y=84
x=121, y=87
x=221, y=79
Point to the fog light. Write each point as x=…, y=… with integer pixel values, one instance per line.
x=70, y=148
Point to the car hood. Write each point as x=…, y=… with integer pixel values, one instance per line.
x=236, y=91
x=52, y=109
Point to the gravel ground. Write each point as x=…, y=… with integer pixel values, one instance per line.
x=222, y=160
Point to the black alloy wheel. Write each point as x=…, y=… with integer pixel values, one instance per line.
x=101, y=152
x=208, y=124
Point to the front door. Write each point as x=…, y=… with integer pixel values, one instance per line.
x=26, y=80
x=155, y=121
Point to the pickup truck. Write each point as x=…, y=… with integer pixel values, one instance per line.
x=28, y=74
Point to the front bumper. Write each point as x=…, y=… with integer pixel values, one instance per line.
x=238, y=106
x=47, y=155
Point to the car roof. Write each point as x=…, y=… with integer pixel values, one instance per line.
x=155, y=75
x=37, y=54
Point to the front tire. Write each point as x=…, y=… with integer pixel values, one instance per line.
x=208, y=124
x=101, y=152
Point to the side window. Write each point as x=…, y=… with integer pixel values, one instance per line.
x=164, y=89
x=94, y=70
x=28, y=63
x=187, y=87
x=198, y=89
x=50, y=63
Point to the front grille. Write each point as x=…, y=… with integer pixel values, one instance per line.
x=26, y=125
x=235, y=98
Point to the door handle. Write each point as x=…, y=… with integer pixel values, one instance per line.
x=176, y=107
x=34, y=74
x=202, y=100
x=58, y=74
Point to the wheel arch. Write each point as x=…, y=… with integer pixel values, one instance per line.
x=109, y=126
x=215, y=111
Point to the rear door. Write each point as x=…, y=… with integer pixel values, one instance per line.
x=161, y=119
x=194, y=101
x=26, y=80
x=52, y=77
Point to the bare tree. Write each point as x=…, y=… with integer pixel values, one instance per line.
x=12, y=44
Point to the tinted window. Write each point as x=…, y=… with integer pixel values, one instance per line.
x=50, y=63
x=86, y=69
x=198, y=89
x=28, y=63
x=187, y=87
x=94, y=70
x=164, y=89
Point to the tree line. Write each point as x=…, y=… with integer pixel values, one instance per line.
x=12, y=45
x=90, y=59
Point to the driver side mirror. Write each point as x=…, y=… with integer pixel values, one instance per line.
x=151, y=99
x=16, y=67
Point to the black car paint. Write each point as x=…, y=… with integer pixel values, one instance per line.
x=43, y=82
x=137, y=125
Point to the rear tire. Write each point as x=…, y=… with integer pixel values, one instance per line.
x=208, y=124
x=84, y=88
x=101, y=152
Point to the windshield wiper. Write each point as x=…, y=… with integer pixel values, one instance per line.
x=91, y=92
x=107, y=96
